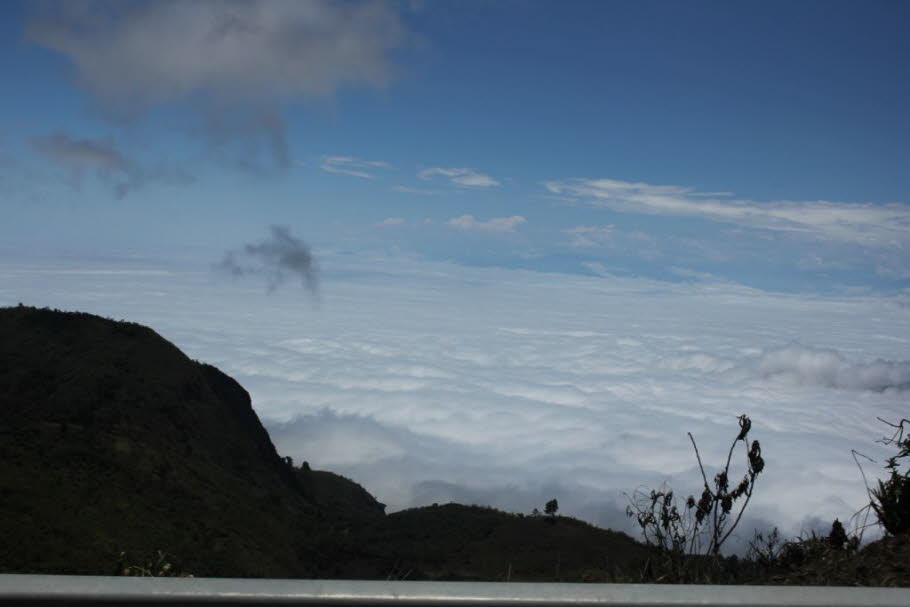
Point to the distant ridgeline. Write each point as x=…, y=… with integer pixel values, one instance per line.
x=114, y=445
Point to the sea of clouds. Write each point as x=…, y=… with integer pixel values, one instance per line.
x=433, y=382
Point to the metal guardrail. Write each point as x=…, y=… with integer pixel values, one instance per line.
x=81, y=590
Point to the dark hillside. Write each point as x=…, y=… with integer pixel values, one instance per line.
x=341, y=495
x=113, y=441
x=456, y=542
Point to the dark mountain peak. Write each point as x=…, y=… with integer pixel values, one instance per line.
x=112, y=440
x=125, y=380
x=339, y=494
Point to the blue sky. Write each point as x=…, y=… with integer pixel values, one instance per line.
x=765, y=143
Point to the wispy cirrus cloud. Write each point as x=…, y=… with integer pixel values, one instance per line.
x=355, y=167
x=496, y=224
x=877, y=225
x=464, y=177
x=409, y=190
x=591, y=236
x=390, y=222
x=609, y=237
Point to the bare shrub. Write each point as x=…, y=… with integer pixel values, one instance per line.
x=698, y=526
x=890, y=499
x=157, y=565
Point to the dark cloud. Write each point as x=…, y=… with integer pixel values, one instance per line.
x=101, y=158
x=236, y=64
x=278, y=257
x=81, y=155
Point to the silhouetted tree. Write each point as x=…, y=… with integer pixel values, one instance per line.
x=551, y=507
x=838, y=536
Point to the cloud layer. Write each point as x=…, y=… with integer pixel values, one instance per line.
x=427, y=382
x=826, y=368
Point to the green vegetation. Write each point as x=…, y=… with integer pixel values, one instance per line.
x=120, y=455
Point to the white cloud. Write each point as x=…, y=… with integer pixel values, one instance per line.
x=893, y=264
x=641, y=244
x=815, y=261
x=696, y=275
x=355, y=167
x=596, y=267
x=460, y=176
x=591, y=236
x=796, y=365
x=827, y=368
x=872, y=225
x=409, y=190
x=496, y=224
x=430, y=381
x=389, y=222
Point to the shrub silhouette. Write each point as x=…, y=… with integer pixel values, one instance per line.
x=157, y=565
x=701, y=525
x=890, y=499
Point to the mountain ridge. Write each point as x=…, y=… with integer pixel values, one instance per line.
x=115, y=445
